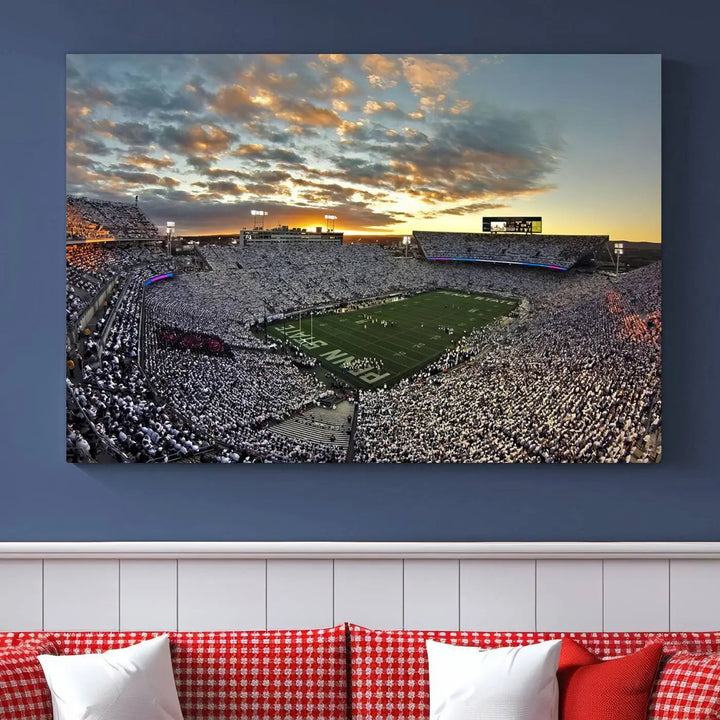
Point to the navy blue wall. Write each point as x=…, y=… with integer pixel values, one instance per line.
x=42, y=498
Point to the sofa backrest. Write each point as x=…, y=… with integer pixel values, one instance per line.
x=274, y=674
x=301, y=674
x=389, y=668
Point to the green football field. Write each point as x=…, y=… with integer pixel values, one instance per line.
x=400, y=337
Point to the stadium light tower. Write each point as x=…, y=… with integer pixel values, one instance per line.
x=619, y=250
x=331, y=222
x=406, y=242
x=170, y=229
x=261, y=214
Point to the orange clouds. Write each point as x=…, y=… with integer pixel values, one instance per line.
x=249, y=149
x=143, y=161
x=342, y=86
x=431, y=75
x=233, y=101
x=372, y=106
x=302, y=112
x=201, y=140
x=334, y=59
x=382, y=71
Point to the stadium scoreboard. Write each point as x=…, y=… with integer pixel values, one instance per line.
x=512, y=224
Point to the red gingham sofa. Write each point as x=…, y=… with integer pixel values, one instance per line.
x=353, y=672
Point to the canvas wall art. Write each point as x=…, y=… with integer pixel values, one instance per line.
x=372, y=258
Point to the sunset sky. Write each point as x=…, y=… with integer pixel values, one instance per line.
x=388, y=143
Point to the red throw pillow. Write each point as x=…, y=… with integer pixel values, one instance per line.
x=594, y=689
x=24, y=692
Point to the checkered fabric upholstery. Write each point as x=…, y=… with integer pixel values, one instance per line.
x=687, y=688
x=390, y=671
x=691, y=642
x=273, y=675
x=24, y=692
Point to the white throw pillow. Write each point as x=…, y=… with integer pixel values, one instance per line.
x=509, y=683
x=133, y=683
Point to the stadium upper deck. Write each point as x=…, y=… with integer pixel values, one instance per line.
x=89, y=219
x=558, y=252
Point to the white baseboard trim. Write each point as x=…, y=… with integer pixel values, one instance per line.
x=361, y=550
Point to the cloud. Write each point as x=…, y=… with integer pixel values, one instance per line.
x=145, y=161
x=430, y=75
x=342, y=87
x=334, y=59
x=200, y=140
x=304, y=113
x=382, y=71
x=257, y=151
x=261, y=127
x=387, y=107
x=131, y=133
x=88, y=145
x=234, y=101
x=135, y=177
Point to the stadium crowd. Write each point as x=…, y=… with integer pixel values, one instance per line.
x=569, y=385
x=181, y=371
x=89, y=218
x=560, y=251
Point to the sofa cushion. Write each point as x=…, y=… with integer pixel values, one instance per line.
x=243, y=675
x=24, y=692
x=508, y=683
x=125, y=684
x=617, y=689
x=688, y=687
x=389, y=668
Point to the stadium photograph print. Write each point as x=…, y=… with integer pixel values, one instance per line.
x=372, y=258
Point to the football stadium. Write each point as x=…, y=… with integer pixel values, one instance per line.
x=292, y=346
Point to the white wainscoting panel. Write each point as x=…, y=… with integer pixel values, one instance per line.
x=431, y=598
x=369, y=593
x=636, y=595
x=82, y=595
x=251, y=586
x=299, y=594
x=148, y=594
x=695, y=595
x=21, y=601
x=497, y=595
x=569, y=595
x=221, y=595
